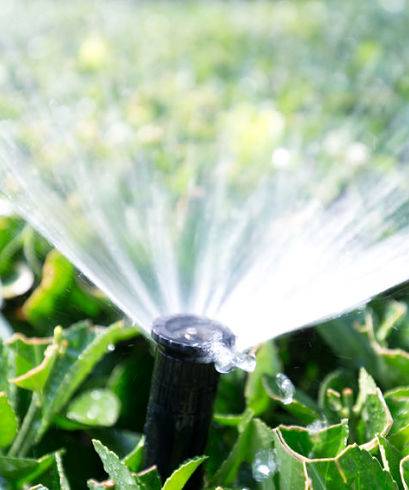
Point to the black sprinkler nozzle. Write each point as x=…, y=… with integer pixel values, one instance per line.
x=184, y=384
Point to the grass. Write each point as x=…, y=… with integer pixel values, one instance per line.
x=261, y=76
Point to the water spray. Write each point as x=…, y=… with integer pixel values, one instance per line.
x=184, y=385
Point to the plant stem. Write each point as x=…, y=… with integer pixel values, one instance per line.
x=23, y=441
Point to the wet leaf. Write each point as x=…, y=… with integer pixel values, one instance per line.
x=116, y=469
x=300, y=406
x=86, y=345
x=254, y=437
x=98, y=407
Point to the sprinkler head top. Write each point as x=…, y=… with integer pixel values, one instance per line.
x=190, y=337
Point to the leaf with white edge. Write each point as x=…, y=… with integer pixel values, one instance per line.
x=375, y=417
x=115, y=468
x=268, y=363
x=8, y=421
x=395, y=313
x=292, y=473
x=254, y=436
x=354, y=468
x=35, y=379
x=100, y=485
x=180, y=476
x=99, y=407
x=86, y=345
x=390, y=459
x=398, y=403
x=404, y=472
x=28, y=352
x=133, y=460
x=327, y=442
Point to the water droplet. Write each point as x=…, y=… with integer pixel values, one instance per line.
x=286, y=388
x=111, y=347
x=92, y=413
x=317, y=426
x=264, y=465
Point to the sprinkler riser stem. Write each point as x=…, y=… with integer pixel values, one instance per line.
x=183, y=389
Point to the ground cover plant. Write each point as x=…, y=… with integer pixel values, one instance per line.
x=74, y=377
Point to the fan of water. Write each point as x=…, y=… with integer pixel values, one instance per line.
x=291, y=216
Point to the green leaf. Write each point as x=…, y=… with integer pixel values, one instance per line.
x=116, y=469
x=36, y=378
x=150, y=479
x=335, y=381
x=324, y=443
x=180, y=477
x=28, y=352
x=268, y=363
x=24, y=469
x=292, y=473
x=390, y=459
x=18, y=281
x=54, y=476
x=98, y=407
x=404, y=472
x=8, y=421
x=353, y=468
x=375, y=417
x=59, y=299
x=85, y=347
x=254, y=437
x=395, y=313
x=133, y=460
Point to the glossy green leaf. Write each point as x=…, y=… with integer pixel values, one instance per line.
x=404, y=472
x=327, y=442
x=8, y=421
x=116, y=469
x=353, y=468
x=390, y=459
x=180, y=476
x=134, y=459
x=254, y=437
x=98, y=407
x=24, y=469
x=86, y=345
x=150, y=479
x=375, y=417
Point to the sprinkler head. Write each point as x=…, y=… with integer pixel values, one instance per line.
x=190, y=337
x=184, y=385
